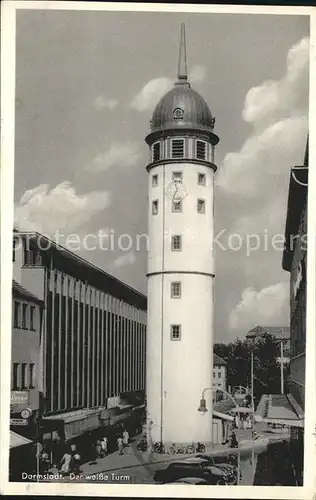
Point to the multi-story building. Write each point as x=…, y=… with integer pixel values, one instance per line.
x=27, y=314
x=295, y=261
x=288, y=409
x=219, y=373
x=94, y=335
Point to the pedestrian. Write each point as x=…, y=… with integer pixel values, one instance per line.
x=125, y=438
x=76, y=459
x=65, y=462
x=233, y=442
x=98, y=448
x=237, y=421
x=120, y=445
x=104, y=446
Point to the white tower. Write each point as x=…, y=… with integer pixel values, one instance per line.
x=180, y=264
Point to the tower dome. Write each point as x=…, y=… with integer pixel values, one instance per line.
x=182, y=107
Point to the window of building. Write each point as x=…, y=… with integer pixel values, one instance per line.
x=177, y=148
x=13, y=250
x=201, y=150
x=176, y=289
x=31, y=376
x=155, y=207
x=214, y=375
x=156, y=151
x=177, y=206
x=32, y=257
x=201, y=206
x=32, y=317
x=178, y=114
x=17, y=307
x=15, y=375
x=175, y=332
x=176, y=243
x=177, y=176
x=23, y=375
x=24, y=316
x=219, y=374
x=201, y=179
x=154, y=180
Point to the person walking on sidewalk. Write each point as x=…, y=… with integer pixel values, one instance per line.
x=104, y=446
x=65, y=462
x=125, y=438
x=120, y=445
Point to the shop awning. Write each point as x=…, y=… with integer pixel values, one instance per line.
x=223, y=416
x=278, y=409
x=18, y=440
x=74, y=423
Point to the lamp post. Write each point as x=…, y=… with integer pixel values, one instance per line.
x=203, y=409
x=251, y=337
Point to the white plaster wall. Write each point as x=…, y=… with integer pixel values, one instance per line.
x=178, y=371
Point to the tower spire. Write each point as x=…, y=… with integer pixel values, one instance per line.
x=182, y=64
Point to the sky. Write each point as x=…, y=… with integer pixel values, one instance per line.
x=86, y=86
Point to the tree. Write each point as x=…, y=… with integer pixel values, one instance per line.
x=237, y=355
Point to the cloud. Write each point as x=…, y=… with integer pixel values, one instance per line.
x=269, y=306
x=197, y=74
x=120, y=154
x=259, y=171
x=262, y=158
x=283, y=97
x=58, y=209
x=151, y=93
x=102, y=102
x=125, y=260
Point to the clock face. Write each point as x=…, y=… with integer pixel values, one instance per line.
x=176, y=191
x=25, y=413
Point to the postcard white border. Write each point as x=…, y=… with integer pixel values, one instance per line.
x=7, y=195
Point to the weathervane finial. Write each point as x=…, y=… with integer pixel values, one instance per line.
x=182, y=65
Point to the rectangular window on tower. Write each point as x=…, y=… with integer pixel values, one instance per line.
x=155, y=207
x=176, y=290
x=177, y=206
x=154, y=179
x=201, y=150
x=177, y=148
x=177, y=176
x=201, y=179
x=156, y=151
x=201, y=206
x=176, y=243
x=175, y=332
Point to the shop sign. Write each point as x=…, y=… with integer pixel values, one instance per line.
x=18, y=421
x=19, y=397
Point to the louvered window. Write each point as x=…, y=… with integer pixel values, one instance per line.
x=177, y=148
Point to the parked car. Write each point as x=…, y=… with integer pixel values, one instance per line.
x=190, y=480
x=196, y=468
x=220, y=462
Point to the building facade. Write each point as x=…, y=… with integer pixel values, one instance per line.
x=180, y=263
x=295, y=262
x=219, y=373
x=94, y=331
x=27, y=316
x=288, y=409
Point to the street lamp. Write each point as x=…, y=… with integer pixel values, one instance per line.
x=202, y=408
